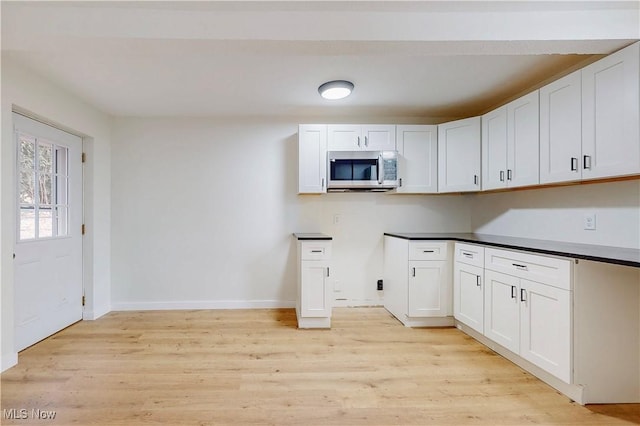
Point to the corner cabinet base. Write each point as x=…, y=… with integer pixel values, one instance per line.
x=574, y=392
x=426, y=322
x=307, y=322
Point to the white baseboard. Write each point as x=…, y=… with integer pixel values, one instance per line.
x=343, y=303
x=201, y=304
x=95, y=314
x=9, y=360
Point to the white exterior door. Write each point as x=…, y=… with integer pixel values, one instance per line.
x=48, y=250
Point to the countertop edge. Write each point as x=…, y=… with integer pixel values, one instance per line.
x=561, y=253
x=308, y=236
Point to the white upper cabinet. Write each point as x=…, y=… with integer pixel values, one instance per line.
x=510, y=144
x=561, y=129
x=418, y=158
x=523, y=141
x=494, y=149
x=354, y=137
x=611, y=115
x=459, y=155
x=312, y=158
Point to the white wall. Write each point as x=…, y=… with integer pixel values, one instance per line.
x=557, y=213
x=28, y=91
x=203, y=212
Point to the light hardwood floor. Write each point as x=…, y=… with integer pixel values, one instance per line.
x=255, y=367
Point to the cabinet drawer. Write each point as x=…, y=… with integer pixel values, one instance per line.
x=470, y=254
x=315, y=250
x=548, y=270
x=427, y=250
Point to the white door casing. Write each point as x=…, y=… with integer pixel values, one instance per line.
x=48, y=249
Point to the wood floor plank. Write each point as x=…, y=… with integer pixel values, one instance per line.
x=256, y=367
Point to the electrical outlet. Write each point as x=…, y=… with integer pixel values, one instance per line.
x=590, y=221
x=337, y=287
x=380, y=285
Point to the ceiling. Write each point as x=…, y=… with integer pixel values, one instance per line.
x=267, y=58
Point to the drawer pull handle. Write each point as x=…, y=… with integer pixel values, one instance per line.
x=513, y=292
x=521, y=267
x=478, y=281
x=428, y=251
x=469, y=255
x=523, y=295
x=316, y=251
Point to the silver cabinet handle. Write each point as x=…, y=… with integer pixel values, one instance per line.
x=475, y=179
x=316, y=251
x=414, y=272
x=358, y=140
x=523, y=295
x=400, y=183
x=323, y=183
x=509, y=174
x=478, y=281
x=574, y=164
x=380, y=168
x=501, y=176
x=586, y=162
x=366, y=141
x=467, y=255
x=328, y=272
x=513, y=292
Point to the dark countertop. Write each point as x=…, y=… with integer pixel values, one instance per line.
x=615, y=255
x=311, y=236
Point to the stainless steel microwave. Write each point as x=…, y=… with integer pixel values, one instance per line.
x=362, y=170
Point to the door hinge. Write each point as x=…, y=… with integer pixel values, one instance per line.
x=82, y=300
x=84, y=157
x=83, y=229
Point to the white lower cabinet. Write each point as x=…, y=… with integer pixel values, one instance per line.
x=313, y=304
x=417, y=281
x=530, y=319
x=468, y=286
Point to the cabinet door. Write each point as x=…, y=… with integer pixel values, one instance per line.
x=312, y=158
x=379, y=137
x=428, y=289
x=459, y=155
x=545, y=328
x=561, y=129
x=418, y=158
x=468, y=296
x=344, y=137
x=523, y=141
x=502, y=309
x=494, y=149
x=314, y=291
x=611, y=115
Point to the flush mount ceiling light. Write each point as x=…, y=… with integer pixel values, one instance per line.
x=336, y=89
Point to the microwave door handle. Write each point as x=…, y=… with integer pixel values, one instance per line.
x=380, y=169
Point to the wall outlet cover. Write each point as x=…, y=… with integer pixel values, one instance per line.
x=589, y=221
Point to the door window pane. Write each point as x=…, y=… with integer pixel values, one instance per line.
x=27, y=152
x=45, y=222
x=61, y=167
x=62, y=220
x=27, y=187
x=27, y=222
x=45, y=158
x=45, y=189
